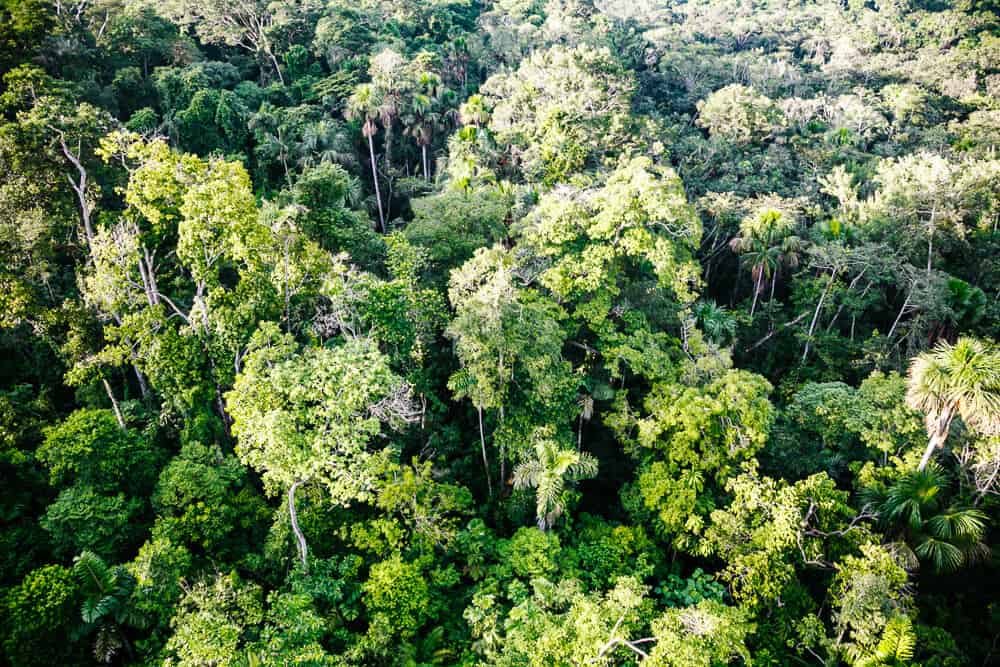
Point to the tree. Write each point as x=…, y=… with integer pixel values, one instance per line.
x=308, y=417
x=915, y=509
x=548, y=473
x=961, y=379
x=106, y=605
x=766, y=242
x=247, y=24
x=739, y=114
x=364, y=105
x=501, y=332
x=708, y=633
x=213, y=622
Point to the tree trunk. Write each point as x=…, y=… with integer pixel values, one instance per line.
x=141, y=379
x=937, y=438
x=906, y=302
x=114, y=404
x=756, y=289
x=80, y=189
x=482, y=441
x=378, y=194
x=277, y=69
x=427, y=171
x=934, y=442
x=819, y=306
x=299, y=537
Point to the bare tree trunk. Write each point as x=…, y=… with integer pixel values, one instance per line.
x=114, y=403
x=277, y=69
x=143, y=387
x=819, y=306
x=427, y=171
x=482, y=442
x=906, y=302
x=299, y=537
x=378, y=194
x=80, y=189
x=934, y=442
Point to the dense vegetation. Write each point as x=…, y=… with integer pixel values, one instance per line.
x=565, y=332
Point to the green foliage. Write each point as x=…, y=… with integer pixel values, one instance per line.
x=38, y=616
x=256, y=254
x=397, y=597
x=284, y=396
x=213, y=622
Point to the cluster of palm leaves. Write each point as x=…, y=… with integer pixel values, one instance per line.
x=928, y=524
x=956, y=380
x=106, y=607
x=548, y=474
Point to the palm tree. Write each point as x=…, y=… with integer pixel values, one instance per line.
x=325, y=141
x=473, y=111
x=419, y=122
x=716, y=322
x=364, y=104
x=766, y=243
x=947, y=536
x=548, y=474
x=960, y=379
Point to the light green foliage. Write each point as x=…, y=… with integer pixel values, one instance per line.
x=293, y=633
x=868, y=593
x=562, y=110
x=310, y=415
x=385, y=279
x=499, y=329
x=158, y=569
x=432, y=511
x=929, y=197
x=771, y=528
x=692, y=440
x=739, y=114
x=213, y=621
x=955, y=380
x=702, y=635
x=531, y=553
x=639, y=217
x=562, y=625
x=397, y=596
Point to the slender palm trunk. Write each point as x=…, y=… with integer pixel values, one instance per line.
x=937, y=437
x=756, y=289
x=482, y=442
x=378, y=193
x=299, y=537
x=427, y=171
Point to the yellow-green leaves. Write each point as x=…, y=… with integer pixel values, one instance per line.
x=310, y=415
